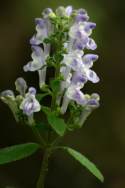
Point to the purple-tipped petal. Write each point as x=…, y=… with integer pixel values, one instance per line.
x=89, y=26
x=91, y=44
x=73, y=60
x=80, y=43
x=82, y=11
x=35, y=41
x=88, y=59
x=75, y=94
x=81, y=18
x=32, y=91
x=78, y=79
x=40, y=22
x=79, y=97
x=37, y=50
x=30, y=105
x=92, y=76
x=38, y=61
x=69, y=10
x=93, y=103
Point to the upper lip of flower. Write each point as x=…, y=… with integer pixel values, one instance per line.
x=38, y=61
x=30, y=104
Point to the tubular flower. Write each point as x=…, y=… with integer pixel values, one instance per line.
x=38, y=59
x=44, y=29
x=74, y=94
x=38, y=63
x=60, y=41
x=30, y=104
x=24, y=101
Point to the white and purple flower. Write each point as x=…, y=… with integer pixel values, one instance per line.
x=73, y=61
x=72, y=93
x=38, y=59
x=43, y=29
x=30, y=104
x=38, y=64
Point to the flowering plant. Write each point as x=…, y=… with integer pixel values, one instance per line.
x=58, y=46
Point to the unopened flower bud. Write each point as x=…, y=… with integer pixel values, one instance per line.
x=21, y=86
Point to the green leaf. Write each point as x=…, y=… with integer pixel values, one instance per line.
x=39, y=97
x=85, y=162
x=46, y=110
x=42, y=126
x=55, y=85
x=57, y=124
x=17, y=152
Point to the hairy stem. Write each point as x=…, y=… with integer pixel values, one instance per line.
x=35, y=131
x=38, y=136
x=44, y=168
x=48, y=150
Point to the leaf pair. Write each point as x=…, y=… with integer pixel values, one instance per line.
x=17, y=152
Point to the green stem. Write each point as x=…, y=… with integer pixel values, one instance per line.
x=35, y=131
x=38, y=136
x=56, y=141
x=44, y=168
x=48, y=150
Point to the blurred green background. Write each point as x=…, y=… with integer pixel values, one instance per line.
x=102, y=139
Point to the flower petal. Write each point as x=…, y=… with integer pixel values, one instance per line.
x=88, y=59
x=30, y=105
x=38, y=60
x=69, y=10
x=91, y=44
x=92, y=76
x=78, y=79
x=75, y=94
x=32, y=91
